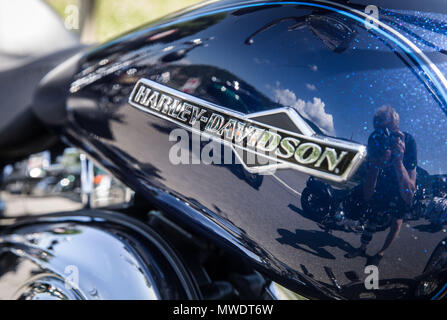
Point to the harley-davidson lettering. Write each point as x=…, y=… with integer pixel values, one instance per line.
x=302, y=150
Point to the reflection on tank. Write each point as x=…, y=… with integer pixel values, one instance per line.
x=430, y=199
x=333, y=208
x=122, y=56
x=210, y=83
x=182, y=51
x=392, y=189
x=429, y=284
x=333, y=32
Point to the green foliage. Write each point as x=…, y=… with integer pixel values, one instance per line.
x=114, y=17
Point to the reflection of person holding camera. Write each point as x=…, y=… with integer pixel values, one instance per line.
x=390, y=180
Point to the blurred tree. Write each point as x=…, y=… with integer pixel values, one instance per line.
x=87, y=10
x=101, y=20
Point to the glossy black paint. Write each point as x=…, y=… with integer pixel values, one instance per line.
x=89, y=255
x=316, y=57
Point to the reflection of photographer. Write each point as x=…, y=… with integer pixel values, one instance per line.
x=391, y=177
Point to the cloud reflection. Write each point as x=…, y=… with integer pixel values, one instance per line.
x=312, y=110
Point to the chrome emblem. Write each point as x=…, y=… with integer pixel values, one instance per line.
x=281, y=136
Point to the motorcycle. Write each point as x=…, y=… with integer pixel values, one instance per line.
x=338, y=209
x=335, y=209
x=285, y=88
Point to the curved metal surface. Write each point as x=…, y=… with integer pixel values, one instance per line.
x=89, y=255
x=320, y=59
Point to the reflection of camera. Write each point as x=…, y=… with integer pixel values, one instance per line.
x=380, y=141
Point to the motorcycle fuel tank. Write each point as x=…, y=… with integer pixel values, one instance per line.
x=178, y=107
